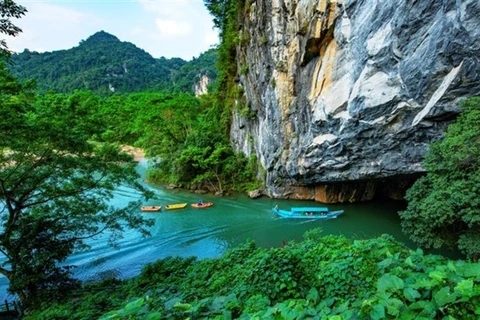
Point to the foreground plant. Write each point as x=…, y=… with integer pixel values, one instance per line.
x=55, y=187
x=444, y=206
x=328, y=277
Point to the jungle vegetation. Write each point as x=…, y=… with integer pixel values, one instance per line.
x=105, y=65
x=328, y=277
x=61, y=161
x=444, y=205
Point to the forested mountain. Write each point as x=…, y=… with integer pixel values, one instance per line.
x=104, y=64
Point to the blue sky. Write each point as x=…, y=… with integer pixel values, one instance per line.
x=167, y=28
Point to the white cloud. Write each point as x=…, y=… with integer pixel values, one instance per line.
x=167, y=8
x=172, y=28
x=211, y=37
x=48, y=27
x=167, y=28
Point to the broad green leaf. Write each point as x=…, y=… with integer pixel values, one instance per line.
x=469, y=270
x=411, y=294
x=385, y=263
x=183, y=306
x=313, y=295
x=390, y=283
x=438, y=275
x=443, y=296
x=409, y=262
x=154, y=316
x=464, y=287
x=393, y=306
x=377, y=312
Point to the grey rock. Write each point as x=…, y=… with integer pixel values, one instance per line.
x=350, y=92
x=255, y=193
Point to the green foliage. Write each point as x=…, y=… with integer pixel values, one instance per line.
x=244, y=69
x=55, y=186
x=105, y=65
x=380, y=280
x=225, y=13
x=192, y=71
x=179, y=130
x=424, y=286
x=8, y=10
x=443, y=206
x=263, y=40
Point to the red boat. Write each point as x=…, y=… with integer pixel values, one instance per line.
x=202, y=205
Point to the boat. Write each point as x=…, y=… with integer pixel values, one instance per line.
x=202, y=205
x=308, y=213
x=175, y=206
x=151, y=208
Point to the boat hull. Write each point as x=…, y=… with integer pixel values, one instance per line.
x=175, y=206
x=205, y=205
x=151, y=208
x=296, y=213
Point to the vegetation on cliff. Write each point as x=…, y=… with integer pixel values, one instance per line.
x=327, y=277
x=444, y=206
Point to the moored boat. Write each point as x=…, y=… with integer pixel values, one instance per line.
x=175, y=206
x=202, y=205
x=308, y=213
x=151, y=208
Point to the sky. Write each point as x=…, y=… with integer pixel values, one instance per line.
x=163, y=28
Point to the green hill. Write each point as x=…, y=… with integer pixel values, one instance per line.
x=104, y=64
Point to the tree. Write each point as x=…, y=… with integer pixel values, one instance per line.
x=8, y=10
x=55, y=186
x=444, y=206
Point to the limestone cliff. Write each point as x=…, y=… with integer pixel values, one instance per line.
x=345, y=96
x=201, y=86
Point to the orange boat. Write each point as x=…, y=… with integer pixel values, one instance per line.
x=151, y=208
x=202, y=205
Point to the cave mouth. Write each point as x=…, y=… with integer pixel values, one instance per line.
x=393, y=188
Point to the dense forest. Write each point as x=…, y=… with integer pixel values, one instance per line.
x=61, y=162
x=105, y=65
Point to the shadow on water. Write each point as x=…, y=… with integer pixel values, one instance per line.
x=209, y=232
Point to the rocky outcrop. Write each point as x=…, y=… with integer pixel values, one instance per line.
x=201, y=86
x=347, y=95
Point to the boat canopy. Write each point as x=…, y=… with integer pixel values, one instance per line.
x=309, y=209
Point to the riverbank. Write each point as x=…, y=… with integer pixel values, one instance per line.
x=137, y=153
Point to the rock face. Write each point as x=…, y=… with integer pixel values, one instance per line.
x=201, y=87
x=345, y=96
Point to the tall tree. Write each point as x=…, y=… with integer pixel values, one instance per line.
x=444, y=206
x=8, y=10
x=56, y=184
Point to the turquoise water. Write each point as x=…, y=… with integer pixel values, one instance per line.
x=209, y=232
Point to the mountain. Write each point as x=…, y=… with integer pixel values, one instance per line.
x=104, y=64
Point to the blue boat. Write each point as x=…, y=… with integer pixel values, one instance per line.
x=308, y=213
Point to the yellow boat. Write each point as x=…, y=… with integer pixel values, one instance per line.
x=175, y=206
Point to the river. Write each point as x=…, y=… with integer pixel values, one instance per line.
x=209, y=232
